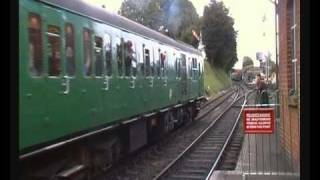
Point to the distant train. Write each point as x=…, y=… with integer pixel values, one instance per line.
x=236, y=76
x=84, y=73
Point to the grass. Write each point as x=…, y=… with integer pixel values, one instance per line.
x=215, y=80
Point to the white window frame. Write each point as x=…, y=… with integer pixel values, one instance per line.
x=294, y=59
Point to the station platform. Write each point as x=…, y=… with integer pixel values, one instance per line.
x=261, y=158
x=236, y=175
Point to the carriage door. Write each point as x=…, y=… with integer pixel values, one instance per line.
x=32, y=84
x=183, y=65
x=56, y=81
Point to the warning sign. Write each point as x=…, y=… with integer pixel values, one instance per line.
x=258, y=120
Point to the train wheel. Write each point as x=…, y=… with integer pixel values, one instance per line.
x=189, y=115
x=180, y=117
x=168, y=122
x=104, y=154
x=116, y=152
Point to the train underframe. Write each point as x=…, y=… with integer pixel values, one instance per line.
x=88, y=157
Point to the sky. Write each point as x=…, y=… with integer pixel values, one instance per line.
x=248, y=16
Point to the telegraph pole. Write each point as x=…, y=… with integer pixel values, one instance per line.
x=276, y=39
x=266, y=55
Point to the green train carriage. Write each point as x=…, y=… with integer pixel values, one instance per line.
x=83, y=70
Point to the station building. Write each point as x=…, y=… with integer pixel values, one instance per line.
x=289, y=78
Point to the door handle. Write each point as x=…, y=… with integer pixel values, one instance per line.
x=165, y=82
x=106, y=84
x=151, y=82
x=66, y=84
x=132, y=83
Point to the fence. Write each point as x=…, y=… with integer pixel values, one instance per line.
x=263, y=156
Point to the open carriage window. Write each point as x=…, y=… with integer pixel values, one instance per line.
x=163, y=61
x=70, y=59
x=177, y=65
x=119, y=55
x=152, y=62
x=54, y=52
x=108, y=54
x=146, y=58
x=98, y=56
x=130, y=58
x=157, y=62
x=35, y=45
x=87, y=61
x=189, y=63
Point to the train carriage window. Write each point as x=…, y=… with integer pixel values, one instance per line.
x=35, y=45
x=199, y=71
x=134, y=60
x=163, y=59
x=108, y=54
x=146, y=59
x=189, y=68
x=130, y=58
x=194, y=68
x=157, y=62
x=178, y=66
x=119, y=51
x=183, y=64
x=87, y=64
x=152, y=63
x=54, y=50
x=69, y=40
x=98, y=56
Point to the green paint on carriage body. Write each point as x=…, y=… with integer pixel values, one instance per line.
x=46, y=114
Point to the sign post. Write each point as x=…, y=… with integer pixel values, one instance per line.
x=258, y=120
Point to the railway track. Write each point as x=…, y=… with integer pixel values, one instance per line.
x=202, y=156
x=231, y=154
x=151, y=160
x=212, y=100
x=207, y=107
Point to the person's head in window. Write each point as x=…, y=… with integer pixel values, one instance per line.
x=69, y=30
x=34, y=22
x=128, y=49
x=69, y=52
x=129, y=45
x=163, y=58
x=107, y=47
x=88, y=64
x=86, y=35
x=258, y=77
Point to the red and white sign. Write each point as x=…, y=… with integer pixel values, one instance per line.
x=258, y=120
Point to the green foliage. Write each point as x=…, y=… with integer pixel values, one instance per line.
x=178, y=17
x=219, y=36
x=247, y=61
x=215, y=79
x=134, y=10
x=272, y=67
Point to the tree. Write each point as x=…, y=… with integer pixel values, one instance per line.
x=134, y=10
x=272, y=67
x=178, y=17
x=219, y=36
x=247, y=61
